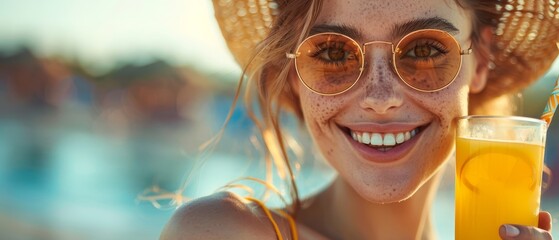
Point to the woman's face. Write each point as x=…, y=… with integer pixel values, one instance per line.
x=380, y=104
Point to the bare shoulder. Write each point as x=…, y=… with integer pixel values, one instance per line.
x=219, y=216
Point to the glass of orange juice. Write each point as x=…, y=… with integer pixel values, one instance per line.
x=499, y=162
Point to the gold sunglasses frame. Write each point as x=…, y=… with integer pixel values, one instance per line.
x=362, y=48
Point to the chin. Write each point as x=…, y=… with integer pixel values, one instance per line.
x=395, y=189
x=386, y=192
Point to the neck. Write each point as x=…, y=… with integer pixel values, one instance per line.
x=340, y=213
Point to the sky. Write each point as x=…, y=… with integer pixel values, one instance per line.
x=104, y=32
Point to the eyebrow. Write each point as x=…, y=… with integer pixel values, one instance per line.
x=424, y=23
x=396, y=31
x=343, y=29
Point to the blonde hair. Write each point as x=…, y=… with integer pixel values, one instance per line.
x=491, y=100
x=267, y=74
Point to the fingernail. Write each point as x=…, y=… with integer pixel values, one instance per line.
x=511, y=231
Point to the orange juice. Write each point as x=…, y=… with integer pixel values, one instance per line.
x=497, y=182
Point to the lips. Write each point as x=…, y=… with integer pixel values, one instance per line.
x=383, y=143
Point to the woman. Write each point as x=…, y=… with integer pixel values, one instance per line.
x=378, y=84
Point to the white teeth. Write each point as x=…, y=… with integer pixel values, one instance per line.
x=389, y=139
x=400, y=138
x=376, y=139
x=386, y=139
x=366, y=139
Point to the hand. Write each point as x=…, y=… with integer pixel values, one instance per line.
x=518, y=232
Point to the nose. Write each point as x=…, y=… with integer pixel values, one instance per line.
x=382, y=90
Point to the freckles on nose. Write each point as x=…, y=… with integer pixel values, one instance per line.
x=380, y=79
x=382, y=87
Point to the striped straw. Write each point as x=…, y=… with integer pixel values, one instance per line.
x=551, y=105
x=552, y=102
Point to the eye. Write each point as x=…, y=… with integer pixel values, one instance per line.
x=334, y=52
x=423, y=49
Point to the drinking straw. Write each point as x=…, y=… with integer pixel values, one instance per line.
x=547, y=115
x=551, y=105
x=552, y=102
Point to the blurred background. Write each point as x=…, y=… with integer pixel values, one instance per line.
x=101, y=100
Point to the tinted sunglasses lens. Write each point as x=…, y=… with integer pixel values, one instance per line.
x=428, y=60
x=329, y=63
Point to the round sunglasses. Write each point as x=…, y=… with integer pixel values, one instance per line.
x=426, y=60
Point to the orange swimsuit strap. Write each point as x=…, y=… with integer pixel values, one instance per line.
x=292, y=226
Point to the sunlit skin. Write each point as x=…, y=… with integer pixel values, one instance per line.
x=381, y=102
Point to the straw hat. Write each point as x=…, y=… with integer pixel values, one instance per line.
x=525, y=37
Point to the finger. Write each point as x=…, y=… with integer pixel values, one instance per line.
x=519, y=232
x=544, y=221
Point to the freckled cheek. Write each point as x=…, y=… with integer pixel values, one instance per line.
x=320, y=109
x=450, y=106
x=446, y=105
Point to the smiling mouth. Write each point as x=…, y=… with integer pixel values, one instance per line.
x=384, y=141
